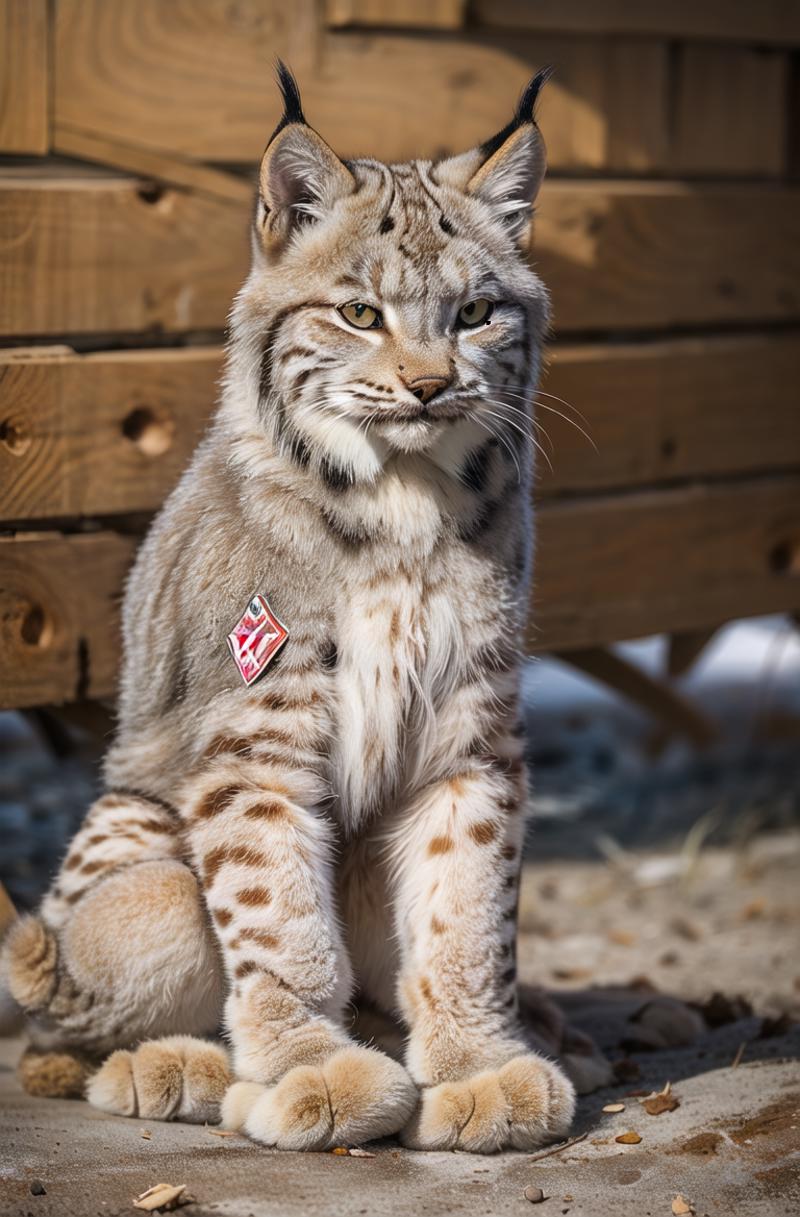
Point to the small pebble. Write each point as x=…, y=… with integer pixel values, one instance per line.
x=534, y=1194
x=38, y=1188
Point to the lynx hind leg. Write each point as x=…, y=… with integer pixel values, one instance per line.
x=177, y=1078
x=135, y=961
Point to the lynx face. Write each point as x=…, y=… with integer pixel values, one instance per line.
x=392, y=306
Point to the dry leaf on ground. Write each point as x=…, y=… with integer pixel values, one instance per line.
x=663, y=1100
x=355, y=1152
x=146, y=1134
x=628, y=1138
x=162, y=1196
x=341, y=1151
x=222, y=1132
x=681, y=1206
x=611, y=1107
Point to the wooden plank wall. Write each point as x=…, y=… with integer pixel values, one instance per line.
x=668, y=231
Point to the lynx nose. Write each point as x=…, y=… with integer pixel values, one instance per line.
x=425, y=388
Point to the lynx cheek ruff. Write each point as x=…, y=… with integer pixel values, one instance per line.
x=256, y=639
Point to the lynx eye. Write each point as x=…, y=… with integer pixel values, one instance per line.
x=477, y=312
x=362, y=316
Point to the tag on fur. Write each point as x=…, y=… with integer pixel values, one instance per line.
x=256, y=639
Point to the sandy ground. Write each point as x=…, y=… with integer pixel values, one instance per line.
x=692, y=924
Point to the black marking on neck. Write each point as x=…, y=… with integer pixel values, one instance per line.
x=446, y=226
x=352, y=534
x=475, y=472
x=387, y=224
x=335, y=476
x=296, y=447
x=481, y=522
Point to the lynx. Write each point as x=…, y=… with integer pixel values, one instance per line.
x=321, y=860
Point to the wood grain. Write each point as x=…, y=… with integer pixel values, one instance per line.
x=143, y=162
x=623, y=566
x=658, y=254
x=730, y=111
x=24, y=117
x=657, y=412
x=59, y=616
x=101, y=253
x=669, y=410
x=607, y=568
x=769, y=21
x=84, y=435
x=424, y=14
x=196, y=82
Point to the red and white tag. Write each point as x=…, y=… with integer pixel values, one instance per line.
x=256, y=639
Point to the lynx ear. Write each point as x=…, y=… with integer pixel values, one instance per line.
x=300, y=177
x=506, y=170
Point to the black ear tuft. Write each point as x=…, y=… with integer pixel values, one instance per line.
x=292, y=105
x=524, y=113
x=526, y=107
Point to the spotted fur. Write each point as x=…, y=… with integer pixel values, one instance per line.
x=350, y=825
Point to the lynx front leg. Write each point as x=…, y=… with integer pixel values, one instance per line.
x=484, y=1088
x=262, y=853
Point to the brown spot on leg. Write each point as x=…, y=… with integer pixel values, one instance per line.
x=91, y=868
x=437, y=926
x=245, y=968
x=261, y=937
x=216, y=801
x=222, y=917
x=509, y=852
x=484, y=832
x=73, y=861
x=217, y=857
x=254, y=895
x=427, y=992
x=440, y=845
x=270, y=809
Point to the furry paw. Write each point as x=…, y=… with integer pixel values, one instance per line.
x=179, y=1078
x=526, y=1103
x=358, y=1094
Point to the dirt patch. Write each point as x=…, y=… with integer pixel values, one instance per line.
x=705, y=1144
x=778, y=1117
x=779, y=1181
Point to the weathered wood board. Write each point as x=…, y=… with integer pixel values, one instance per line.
x=24, y=86
x=109, y=433
x=424, y=14
x=769, y=21
x=660, y=254
x=86, y=253
x=606, y=567
x=59, y=616
x=669, y=410
x=98, y=435
x=730, y=111
x=623, y=566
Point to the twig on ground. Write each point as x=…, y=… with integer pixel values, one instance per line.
x=557, y=1149
x=737, y=1060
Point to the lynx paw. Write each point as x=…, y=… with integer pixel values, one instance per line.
x=526, y=1103
x=179, y=1078
x=358, y=1094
